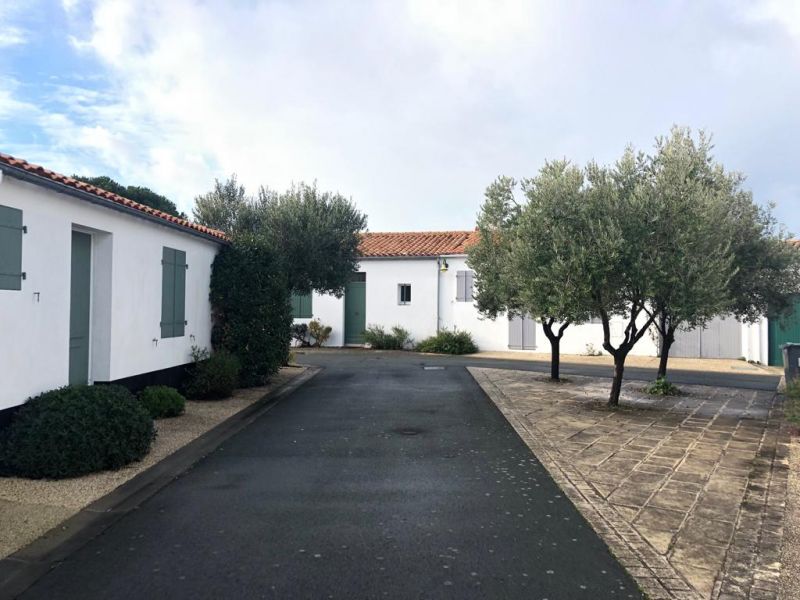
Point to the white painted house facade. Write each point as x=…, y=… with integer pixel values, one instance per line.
x=421, y=281
x=94, y=287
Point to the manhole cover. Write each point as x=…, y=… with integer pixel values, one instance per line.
x=407, y=431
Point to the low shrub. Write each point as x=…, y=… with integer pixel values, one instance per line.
x=379, y=339
x=319, y=332
x=662, y=387
x=300, y=334
x=449, y=342
x=76, y=430
x=792, y=405
x=213, y=376
x=162, y=401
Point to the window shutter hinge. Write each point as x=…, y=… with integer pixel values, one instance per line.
x=24, y=276
x=186, y=267
x=24, y=229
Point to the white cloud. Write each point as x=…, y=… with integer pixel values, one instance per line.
x=411, y=107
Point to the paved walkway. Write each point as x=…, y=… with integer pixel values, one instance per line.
x=688, y=492
x=375, y=479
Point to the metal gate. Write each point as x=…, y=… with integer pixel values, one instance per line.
x=720, y=338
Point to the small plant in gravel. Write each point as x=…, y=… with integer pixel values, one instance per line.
x=162, y=401
x=791, y=406
x=379, y=339
x=76, y=430
x=212, y=376
x=662, y=387
x=449, y=342
x=319, y=332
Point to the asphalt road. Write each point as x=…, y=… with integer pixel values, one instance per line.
x=342, y=357
x=376, y=479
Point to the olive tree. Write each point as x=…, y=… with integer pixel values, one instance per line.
x=519, y=261
x=314, y=234
x=690, y=195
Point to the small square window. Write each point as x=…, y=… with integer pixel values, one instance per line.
x=404, y=293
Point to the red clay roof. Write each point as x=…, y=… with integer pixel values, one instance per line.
x=415, y=243
x=110, y=197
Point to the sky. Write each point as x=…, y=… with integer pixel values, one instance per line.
x=409, y=107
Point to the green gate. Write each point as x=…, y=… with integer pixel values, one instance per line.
x=782, y=331
x=355, y=309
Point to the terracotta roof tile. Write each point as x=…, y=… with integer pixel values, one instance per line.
x=101, y=193
x=415, y=243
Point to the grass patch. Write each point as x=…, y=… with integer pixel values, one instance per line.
x=662, y=387
x=792, y=405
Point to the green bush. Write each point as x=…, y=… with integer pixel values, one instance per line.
x=162, y=401
x=792, y=404
x=213, y=376
x=662, y=387
x=251, y=310
x=377, y=337
x=76, y=430
x=319, y=332
x=449, y=342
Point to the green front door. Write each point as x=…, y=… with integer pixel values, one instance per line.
x=79, y=307
x=782, y=331
x=355, y=309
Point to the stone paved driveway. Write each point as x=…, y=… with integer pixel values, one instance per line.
x=688, y=492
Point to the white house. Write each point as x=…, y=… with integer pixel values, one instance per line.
x=94, y=287
x=421, y=281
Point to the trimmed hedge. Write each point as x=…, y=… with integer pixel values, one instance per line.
x=76, y=430
x=213, y=376
x=251, y=309
x=449, y=342
x=162, y=401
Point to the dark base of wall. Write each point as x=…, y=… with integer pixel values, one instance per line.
x=173, y=377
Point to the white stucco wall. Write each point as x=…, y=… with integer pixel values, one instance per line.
x=126, y=294
x=420, y=317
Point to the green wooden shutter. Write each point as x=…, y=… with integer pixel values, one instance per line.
x=179, y=318
x=173, y=293
x=302, y=306
x=11, y=230
x=167, y=293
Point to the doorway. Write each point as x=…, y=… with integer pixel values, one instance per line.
x=355, y=309
x=80, y=294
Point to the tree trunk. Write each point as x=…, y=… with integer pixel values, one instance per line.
x=616, y=386
x=666, y=343
x=555, y=358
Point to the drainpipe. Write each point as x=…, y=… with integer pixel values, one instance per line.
x=438, y=285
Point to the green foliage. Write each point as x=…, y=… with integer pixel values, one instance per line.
x=791, y=406
x=449, y=342
x=143, y=195
x=223, y=207
x=76, y=430
x=251, y=311
x=212, y=376
x=162, y=401
x=662, y=387
x=379, y=339
x=299, y=333
x=319, y=332
x=314, y=234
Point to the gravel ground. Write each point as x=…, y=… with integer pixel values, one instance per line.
x=790, y=575
x=29, y=508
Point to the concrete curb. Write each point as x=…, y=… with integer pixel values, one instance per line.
x=23, y=568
